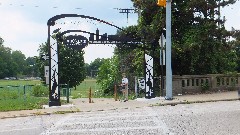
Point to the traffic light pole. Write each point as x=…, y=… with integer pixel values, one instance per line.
x=168, y=52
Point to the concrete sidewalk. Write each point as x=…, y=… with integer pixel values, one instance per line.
x=103, y=104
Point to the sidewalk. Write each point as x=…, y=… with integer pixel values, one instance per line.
x=103, y=104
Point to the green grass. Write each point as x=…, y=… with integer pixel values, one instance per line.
x=27, y=103
x=82, y=90
x=19, y=82
x=12, y=95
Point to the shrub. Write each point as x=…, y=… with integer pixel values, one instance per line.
x=40, y=91
x=204, y=87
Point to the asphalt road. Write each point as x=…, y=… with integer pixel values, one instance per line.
x=213, y=118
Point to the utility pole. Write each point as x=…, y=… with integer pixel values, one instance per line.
x=127, y=11
x=168, y=52
x=167, y=4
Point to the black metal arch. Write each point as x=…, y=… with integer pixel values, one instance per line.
x=54, y=90
x=70, y=31
x=51, y=21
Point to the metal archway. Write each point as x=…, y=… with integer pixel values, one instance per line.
x=54, y=90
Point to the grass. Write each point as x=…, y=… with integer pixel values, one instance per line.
x=82, y=90
x=19, y=82
x=13, y=97
x=28, y=103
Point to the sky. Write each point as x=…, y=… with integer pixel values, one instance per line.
x=23, y=23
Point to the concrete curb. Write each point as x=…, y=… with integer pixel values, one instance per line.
x=78, y=109
x=192, y=102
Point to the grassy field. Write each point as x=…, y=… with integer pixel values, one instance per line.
x=13, y=96
x=19, y=82
x=82, y=90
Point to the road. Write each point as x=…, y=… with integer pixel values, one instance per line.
x=212, y=118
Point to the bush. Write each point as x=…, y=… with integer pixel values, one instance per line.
x=204, y=87
x=40, y=91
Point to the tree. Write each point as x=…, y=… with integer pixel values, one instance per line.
x=6, y=64
x=94, y=66
x=19, y=60
x=71, y=64
x=31, y=68
x=236, y=44
x=199, y=39
x=109, y=75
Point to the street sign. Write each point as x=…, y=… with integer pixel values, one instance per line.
x=162, y=43
x=46, y=70
x=45, y=57
x=46, y=74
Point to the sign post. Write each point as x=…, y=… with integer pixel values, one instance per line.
x=167, y=4
x=162, y=43
x=168, y=52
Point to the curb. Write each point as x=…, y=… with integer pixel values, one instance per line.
x=192, y=102
x=39, y=113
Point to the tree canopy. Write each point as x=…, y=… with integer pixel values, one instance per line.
x=13, y=63
x=71, y=64
x=200, y=42
x=199, y=38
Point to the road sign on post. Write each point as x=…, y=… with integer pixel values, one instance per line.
x=162, y=43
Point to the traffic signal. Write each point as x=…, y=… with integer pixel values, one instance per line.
x=161, y=3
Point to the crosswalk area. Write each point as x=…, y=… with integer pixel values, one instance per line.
x=115, y=122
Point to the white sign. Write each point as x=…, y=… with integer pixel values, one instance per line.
x=162, y=43
x=46, y=69
x=141, y=83
x=149, y=75
x=44, y=57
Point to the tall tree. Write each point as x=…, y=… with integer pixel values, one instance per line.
x=199, y=39
x=94, y=67
x=236, y=44
x=71, y=64
x=6, y=63
x=109, y=74
x=32, y=68
x=19, y=60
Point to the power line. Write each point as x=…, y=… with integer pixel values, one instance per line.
x=36, y=6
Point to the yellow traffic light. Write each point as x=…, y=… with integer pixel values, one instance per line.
x=161, y=3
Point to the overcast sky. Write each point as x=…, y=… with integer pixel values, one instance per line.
x=23, y=23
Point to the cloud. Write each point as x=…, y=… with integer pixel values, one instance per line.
x=93, y=52
x=232, y=15
x=23, y=23
x=20, y=33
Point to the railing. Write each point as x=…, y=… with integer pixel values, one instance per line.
x=190, y=84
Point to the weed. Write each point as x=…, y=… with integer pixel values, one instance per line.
x=40, y=91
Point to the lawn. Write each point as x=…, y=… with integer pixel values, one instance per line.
x=13, y=96
x=19, y=82
x=82, y=90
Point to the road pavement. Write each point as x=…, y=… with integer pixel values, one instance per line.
x=209, y=118
x=103, y=104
